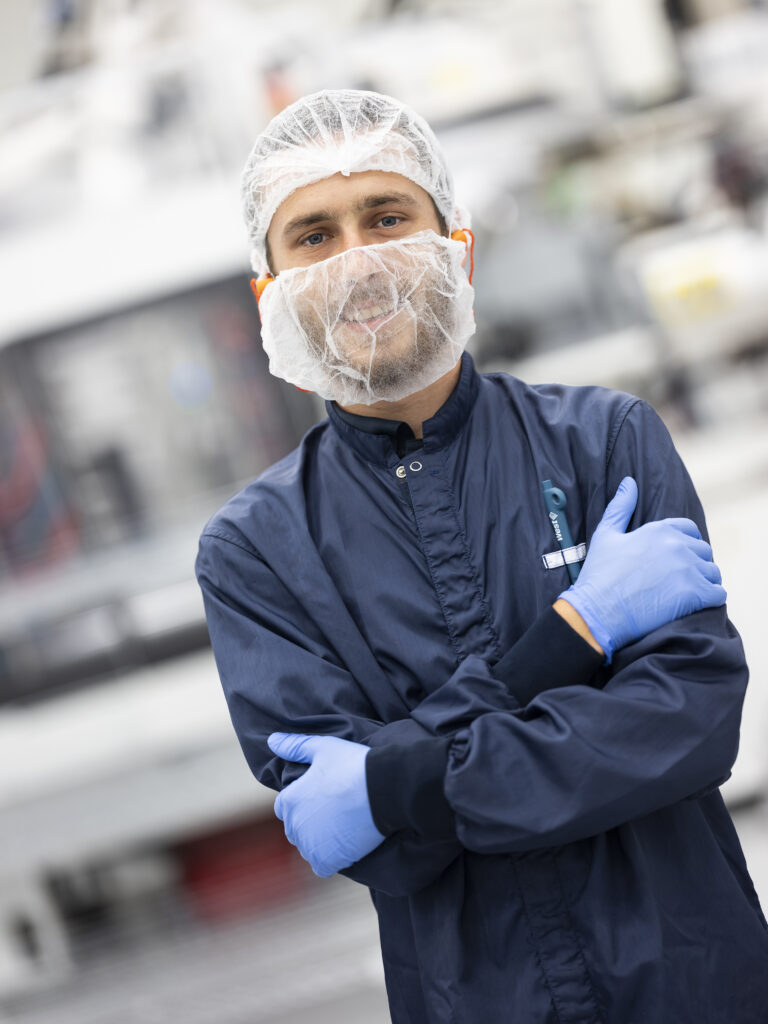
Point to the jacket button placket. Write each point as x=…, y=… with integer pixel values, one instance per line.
x=445, y=547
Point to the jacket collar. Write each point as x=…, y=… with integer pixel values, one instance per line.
x=372, y=438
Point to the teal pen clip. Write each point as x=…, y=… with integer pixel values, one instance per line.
x=554, y=499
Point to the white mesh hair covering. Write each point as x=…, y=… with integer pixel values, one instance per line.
x=340, y=130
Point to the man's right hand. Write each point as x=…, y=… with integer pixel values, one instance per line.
x=632, y=583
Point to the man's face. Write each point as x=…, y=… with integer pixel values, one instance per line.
x=381, y=313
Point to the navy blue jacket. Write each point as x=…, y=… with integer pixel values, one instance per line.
x=559, y=850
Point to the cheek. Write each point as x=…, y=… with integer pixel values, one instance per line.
x=302, y=310
x=311, y=302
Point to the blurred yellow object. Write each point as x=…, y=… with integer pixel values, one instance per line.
x=690, y=292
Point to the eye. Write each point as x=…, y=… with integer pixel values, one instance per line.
x=390, y=221
x=314, y=239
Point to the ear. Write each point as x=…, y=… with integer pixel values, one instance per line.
x=460, y=235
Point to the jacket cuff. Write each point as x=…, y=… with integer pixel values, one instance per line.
x=550, y=653
x=405, y=788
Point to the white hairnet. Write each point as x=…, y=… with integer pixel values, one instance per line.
x=373, y=323
x=340, y=130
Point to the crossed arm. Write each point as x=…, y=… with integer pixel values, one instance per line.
x=559, y=763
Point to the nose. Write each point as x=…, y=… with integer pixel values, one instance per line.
x=356, y=261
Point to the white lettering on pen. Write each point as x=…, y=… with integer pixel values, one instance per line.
x=556, y=527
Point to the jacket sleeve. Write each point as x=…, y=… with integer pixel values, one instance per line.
x=579, y=760
x=279, y=673
x=279, y=676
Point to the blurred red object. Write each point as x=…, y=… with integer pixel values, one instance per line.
x=241, y=870
x=37, y=529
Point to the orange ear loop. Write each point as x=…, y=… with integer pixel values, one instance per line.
x=257, y=287
x=460, y=235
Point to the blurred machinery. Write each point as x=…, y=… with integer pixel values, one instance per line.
x=134, y=399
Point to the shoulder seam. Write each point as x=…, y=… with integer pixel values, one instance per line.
x=618, y=423
x=220, y=535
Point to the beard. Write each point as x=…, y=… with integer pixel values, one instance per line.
x=374, y=323
x=381, y=334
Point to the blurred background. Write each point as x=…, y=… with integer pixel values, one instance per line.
x=614, y=154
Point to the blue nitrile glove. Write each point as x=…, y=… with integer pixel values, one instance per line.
x=632, y=583
x=326, y=812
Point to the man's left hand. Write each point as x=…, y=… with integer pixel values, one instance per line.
x=326, y=813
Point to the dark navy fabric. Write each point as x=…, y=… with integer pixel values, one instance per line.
x=592, y=873
x=403, y=439
x=405, y=783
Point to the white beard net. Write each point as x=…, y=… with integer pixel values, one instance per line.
x=374, y=323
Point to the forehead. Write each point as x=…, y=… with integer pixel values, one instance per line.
x=341, y=195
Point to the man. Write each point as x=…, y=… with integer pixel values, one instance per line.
x=523, y=772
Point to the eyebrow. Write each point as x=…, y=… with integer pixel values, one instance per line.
x=368, y=203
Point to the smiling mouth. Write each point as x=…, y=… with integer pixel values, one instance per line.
x=367, y=315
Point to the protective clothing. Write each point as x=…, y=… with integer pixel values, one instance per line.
x=692, y=580
x=326, y=812
x=341, y=131
x=376, y=322
x=591, y=872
